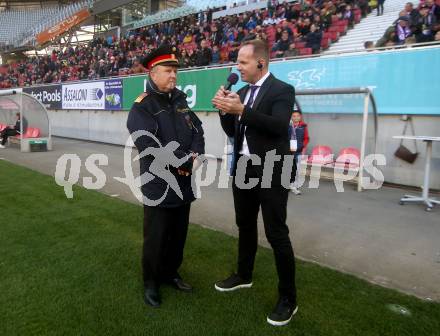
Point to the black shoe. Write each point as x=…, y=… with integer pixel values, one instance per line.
x=283, y=312
x=181, y=285
x=152, y=296
x=232, y=283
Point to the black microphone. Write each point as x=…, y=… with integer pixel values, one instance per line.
x=232, y=80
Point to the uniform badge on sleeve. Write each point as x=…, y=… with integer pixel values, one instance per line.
x=141, y=97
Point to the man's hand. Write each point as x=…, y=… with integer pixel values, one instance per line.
x=183, y=172
x=222, y=92
x=228, y=104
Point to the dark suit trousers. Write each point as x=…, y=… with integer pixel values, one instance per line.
x=273, y=202
x=165, y=231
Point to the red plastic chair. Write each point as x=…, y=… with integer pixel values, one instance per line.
x=35, y=133
x=341, y=29
x=325, y=43
x=321, y=155
x=305, y=51
x=334, y=36
x=342, y=22
x=28, y=132
x=348, y=157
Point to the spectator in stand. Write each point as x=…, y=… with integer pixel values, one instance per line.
x=348, y=15
x=215, y=55
x=285, y=27
x=137, y=67
x=402, y=30
x=102, y=70
x=434, y=8
x=425, y=25
x=313, y=39
x=203, y=54
x=184, y=60
x=240, y=35
x=282, y=45
x=233, y=54
x=380, y=7
x=412, y=14
x=216, y=36
x=304, y=27
x=192, y=57
x=113, y=66
x=368, y=45
x=292, y=51
x=363, y=6
x=188, y=38
x=388, y=37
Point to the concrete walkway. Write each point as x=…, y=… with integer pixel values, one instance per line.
x=367, y=234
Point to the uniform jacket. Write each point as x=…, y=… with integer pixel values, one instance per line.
x=168, y=118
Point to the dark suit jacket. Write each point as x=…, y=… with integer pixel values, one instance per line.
x=267, y=124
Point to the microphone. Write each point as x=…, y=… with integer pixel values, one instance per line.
x=232, y=80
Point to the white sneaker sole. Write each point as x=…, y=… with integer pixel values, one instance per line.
x=220, y=289
x=281, y=323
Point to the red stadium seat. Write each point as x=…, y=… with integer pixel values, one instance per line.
x=31, y=132
x=2, y=127
x=342, y=30
x=325, y=43
x=341, y=23
x=334, y=36
x=305, y=51
x=321, y=155
x=300, y=45
x=348, y=157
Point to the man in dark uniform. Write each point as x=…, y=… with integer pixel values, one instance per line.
x=175, y=135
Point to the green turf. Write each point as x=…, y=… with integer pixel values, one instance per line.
x=72, y=267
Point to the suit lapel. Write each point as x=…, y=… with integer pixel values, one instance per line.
x=263, y=90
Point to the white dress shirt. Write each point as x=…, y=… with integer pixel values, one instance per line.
x=245, y=148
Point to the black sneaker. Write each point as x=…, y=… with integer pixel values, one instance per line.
x=232, y=283
x=283, y=312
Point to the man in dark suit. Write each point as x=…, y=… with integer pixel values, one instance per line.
x=257, y=117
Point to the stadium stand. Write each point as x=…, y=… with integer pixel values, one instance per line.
x=19, y=27
x=310, y=27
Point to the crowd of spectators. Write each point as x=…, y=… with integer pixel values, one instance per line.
x=414, y=25
x=201, y=40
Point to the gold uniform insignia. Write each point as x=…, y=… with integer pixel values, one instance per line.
x=141, y=97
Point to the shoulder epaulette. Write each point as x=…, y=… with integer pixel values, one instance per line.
x=141, y=97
